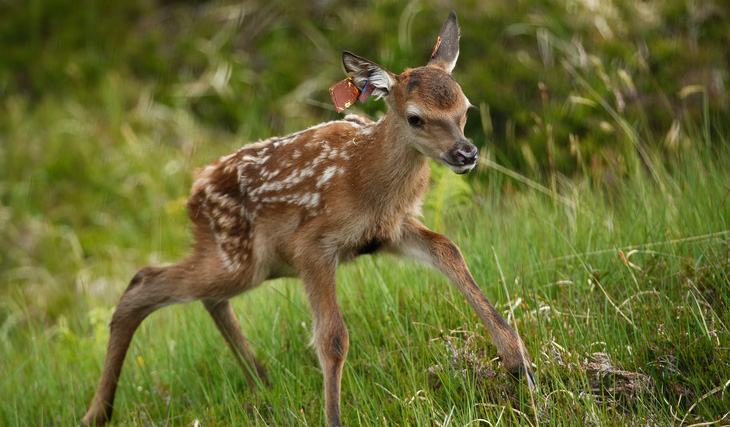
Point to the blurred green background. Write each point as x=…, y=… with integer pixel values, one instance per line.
x=262, y=68
x=617, y=110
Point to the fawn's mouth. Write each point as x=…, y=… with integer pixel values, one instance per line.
x=459, y=164
x=461, y=169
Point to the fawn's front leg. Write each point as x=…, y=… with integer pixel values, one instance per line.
x=423, y=244
x=330, y=333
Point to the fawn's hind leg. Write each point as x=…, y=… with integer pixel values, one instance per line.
x=150, y=289
x=225, y=320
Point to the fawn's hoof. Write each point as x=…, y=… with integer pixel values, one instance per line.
x=95, y=418
x=517, y=363
x=524, y=371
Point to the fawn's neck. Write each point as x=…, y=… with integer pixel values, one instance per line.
x=393, y=173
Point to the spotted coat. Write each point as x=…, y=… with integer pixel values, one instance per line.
x=235, y=193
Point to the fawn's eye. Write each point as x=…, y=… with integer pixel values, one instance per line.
x=414, y=120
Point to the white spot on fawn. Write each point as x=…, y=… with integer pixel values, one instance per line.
x=309, y=200
x=367, y=130
x=327, y=175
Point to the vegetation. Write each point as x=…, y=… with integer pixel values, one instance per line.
x=598, y=222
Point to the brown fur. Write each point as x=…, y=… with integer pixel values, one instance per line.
x=434, y=86
x=299, y=205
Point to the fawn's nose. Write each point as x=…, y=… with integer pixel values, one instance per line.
x=463, y=153
x=466, y=154
x=461, y=157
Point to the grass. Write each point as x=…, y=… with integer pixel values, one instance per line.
x=619, y=291
x=616, y=276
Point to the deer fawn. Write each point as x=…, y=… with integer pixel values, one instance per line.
x=298, y=205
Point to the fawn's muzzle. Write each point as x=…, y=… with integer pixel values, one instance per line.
x=461, y=157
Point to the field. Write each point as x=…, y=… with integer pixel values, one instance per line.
x=609, y=253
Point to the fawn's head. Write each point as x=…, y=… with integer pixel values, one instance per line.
x=427, y=105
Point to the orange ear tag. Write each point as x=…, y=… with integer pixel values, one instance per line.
x=344, y=94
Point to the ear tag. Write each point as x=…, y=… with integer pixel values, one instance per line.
x=367, y=90
x=436, y=48
x=344, y=94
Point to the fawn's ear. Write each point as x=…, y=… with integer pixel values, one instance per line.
x=366, y=71
x=446, y=52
